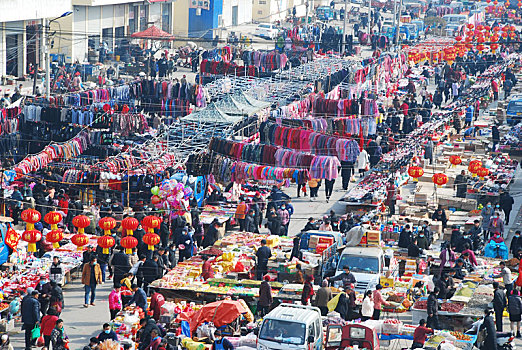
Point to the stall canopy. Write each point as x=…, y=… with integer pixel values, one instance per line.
x=153, y=33
x=212, y=114
x=220, y=313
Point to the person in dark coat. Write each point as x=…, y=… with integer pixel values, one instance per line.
x=440, y=215
x=185, y=245
x=164, y=231
x=495, y=137
x=265, y=297
x=413, y=249
x=147, y=325
x=461, y=184
x=30, y=308
x=139, y=297
x=263, y=254
x=506, y=204
x=274, y=222
x=44, y=296
x=516, y=243
x=433, y=309
x=405, y=237
x=499, y=304
x=212, y=234
x=103, y=260
x=56, y=300
x=343, y=306
x=490, y=342
x=150, y=271
x=250, y=225
x=120, y=264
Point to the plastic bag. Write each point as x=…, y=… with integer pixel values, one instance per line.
x=35, y=333
x=40, y=341
x=332, y=304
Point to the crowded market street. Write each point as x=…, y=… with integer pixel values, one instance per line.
x=303, y=190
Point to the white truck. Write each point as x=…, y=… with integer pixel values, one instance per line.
x=291, y=326
x=367, y=264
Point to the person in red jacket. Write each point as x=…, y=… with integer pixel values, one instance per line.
x=156, y=302
x=494, y=88
x=207, y=271
x=47, y=325
x=419, y=336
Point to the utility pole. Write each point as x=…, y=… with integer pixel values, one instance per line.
x=344, y=25
x=47, y=30
x=369, y=17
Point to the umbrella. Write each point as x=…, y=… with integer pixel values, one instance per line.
x=219, y=312
x=153, y=33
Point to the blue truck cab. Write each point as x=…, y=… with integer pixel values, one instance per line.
x=514, y=110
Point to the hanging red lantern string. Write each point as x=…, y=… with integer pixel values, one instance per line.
x=440, y=179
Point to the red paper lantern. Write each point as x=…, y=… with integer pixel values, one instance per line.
x=493, y=47
x=54, y=237
x=482, y=173
x=31, y=237
x=129, y=242
x=30, y=217
x=474, y=166
x=81, y=222
x=130, y=224
x=415, y=172
x=151, y=222
x=480, y=48
x=106, y=242
x=151, y=239
x=439, y=179
x=455, y=160
x=107, y=224
x=53, y=218
x=80, y=240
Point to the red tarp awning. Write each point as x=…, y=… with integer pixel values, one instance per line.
x=219, y=312
x=153, y=33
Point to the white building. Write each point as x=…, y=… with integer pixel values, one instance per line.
x=95, y=22
x=268, y=11
x=21, y=37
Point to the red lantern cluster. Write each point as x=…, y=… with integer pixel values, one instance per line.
x=31, y=237
x=440, y=179
x=415, y=172
x=56, y=235
x=151, y=239
x=482, y=173
x=30, y=217
x=474, y=166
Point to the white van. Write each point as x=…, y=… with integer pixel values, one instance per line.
x=291, y=326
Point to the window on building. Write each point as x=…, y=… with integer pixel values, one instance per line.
x=262, y=2
x=107, y=37
x=133, y=19
x=144, y=17
x=166, y=10
x=259, y=12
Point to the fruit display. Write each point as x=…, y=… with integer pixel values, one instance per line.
x=452, y=307
x=460, y=336
x=421, y=305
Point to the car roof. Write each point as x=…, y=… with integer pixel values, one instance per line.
x=364, y=251
x=294, y=313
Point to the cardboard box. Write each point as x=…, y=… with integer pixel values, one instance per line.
x=313, y=241
x=326, y=240
x=373, y=236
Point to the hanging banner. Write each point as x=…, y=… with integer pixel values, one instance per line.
x=11, y=238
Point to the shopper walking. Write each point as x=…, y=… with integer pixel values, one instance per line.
x=59, y=340
x=323, y=296
x=265, y=297
x=263, y=254
x=514, y=308
x=433, y=309
x=328, y=188
x=506, y=204
x=30, y=308
x=499, y=304
x=91, y=277
x=47, y=325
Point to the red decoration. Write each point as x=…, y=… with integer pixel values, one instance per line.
x=80, y=240
x=106, y=242
x=53, y=218
x=151, y=239
x=474, y=166
x=129, y=242
x=30, y=217
x=415, y=172
x=151, y=222
x=32, y=237
x=440, y=179
x=12, y=238
x=455, y=160
x=54, y=237
x=81, y=222
x=125, y=109
x=106, y=107
x=107, y=224
x=482, y=173
x=130, y=224
x=155, y=199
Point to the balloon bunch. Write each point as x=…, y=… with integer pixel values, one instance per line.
x=171, y=195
